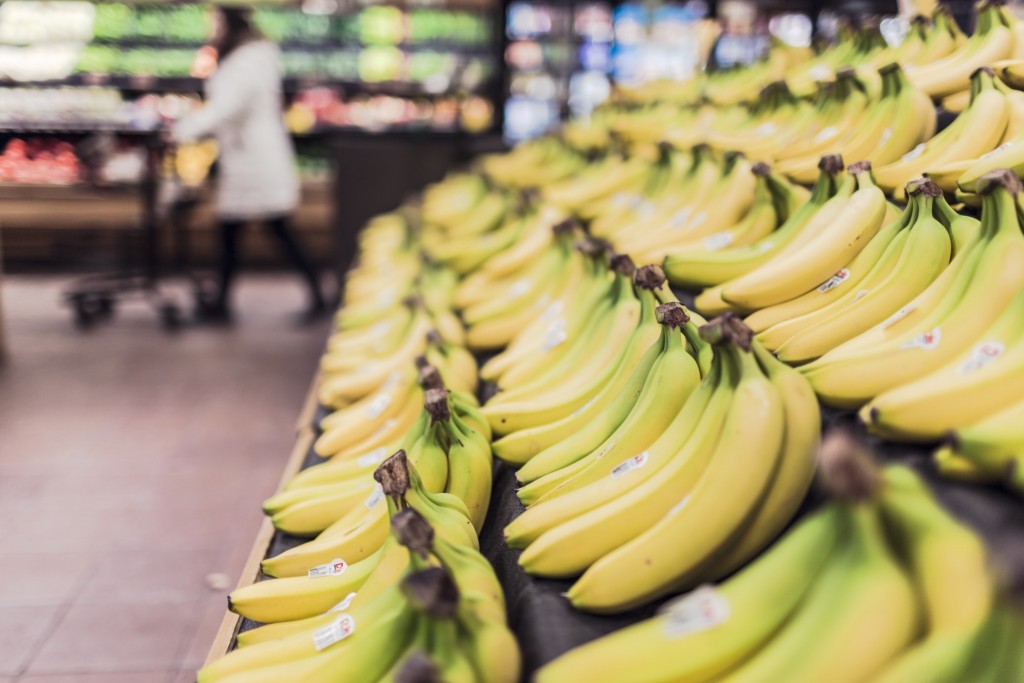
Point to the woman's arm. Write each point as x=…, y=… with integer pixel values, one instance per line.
x=230, y=99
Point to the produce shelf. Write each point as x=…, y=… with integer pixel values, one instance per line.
x=544, y=622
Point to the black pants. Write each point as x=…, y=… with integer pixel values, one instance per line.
x=229, y=233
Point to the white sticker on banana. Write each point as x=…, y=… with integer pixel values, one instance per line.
x=896, y=317
x=335, y=567
x=718, y=241
x=834, y=281
x=374, y=457
x=375, y=498
x=982, y=355
x=339, y=629
x=929, y=340
x=634, y=463
x=343, y=605
x=699, y=610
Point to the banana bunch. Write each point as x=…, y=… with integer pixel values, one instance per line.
x=571, y=404
x=896, y=265
x=535, y=163
x=340, y=505
x=377, y=337
x=879, y=585
x=836, y=232
x=881, y=130
x=548, y=343
x=929, y=39
x=945, y=321
x=425, y=604
x=510, y=291
x=702, y=484
x=712, y=268
x=722, y=207
x=775, y=200
x=993, y=40
x=978, y=130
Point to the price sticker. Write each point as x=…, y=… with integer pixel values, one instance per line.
x=335, y=567
x=699, y=610
x=338, y=630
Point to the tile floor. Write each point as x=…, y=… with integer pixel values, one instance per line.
x=132, y=465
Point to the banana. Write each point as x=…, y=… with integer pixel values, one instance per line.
x=992, y=41
x=703, y=634
x=547, y=409
x=300, y=597
x=743, y=461
x=855, y=221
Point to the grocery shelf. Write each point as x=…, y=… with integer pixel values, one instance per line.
x=290, y=85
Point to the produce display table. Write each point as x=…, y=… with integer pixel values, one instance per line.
x=543, y=620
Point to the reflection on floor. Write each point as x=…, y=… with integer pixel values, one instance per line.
x=132, y=465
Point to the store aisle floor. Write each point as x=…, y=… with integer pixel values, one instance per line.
x=132, y=466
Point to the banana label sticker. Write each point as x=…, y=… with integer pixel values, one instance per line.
x=896, y=317
x=343, y=605
x=634, y=463
x=914, y=153
x=375, y=498
x=680, y=216
x=928, y=340
x=553, y=311
x=339, y=629
x=982, y=355
x=718, y=241
x=645, y=209
x=826, y=133
x=378, y=405
x=834, y=281
x=699, y=610
x=374, y=457
x=556, y=334
x=335, y=567
x=518, y=288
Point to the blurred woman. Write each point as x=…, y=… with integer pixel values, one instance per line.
x=257, y=179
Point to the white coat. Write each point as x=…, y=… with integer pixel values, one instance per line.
x=257, y=177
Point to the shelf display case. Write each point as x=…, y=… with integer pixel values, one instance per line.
x=400, y=59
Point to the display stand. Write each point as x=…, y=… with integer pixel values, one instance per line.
x=544, y=622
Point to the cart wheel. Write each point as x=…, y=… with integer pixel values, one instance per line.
x=104, y=307
x=84, y=318
x=170, y=317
